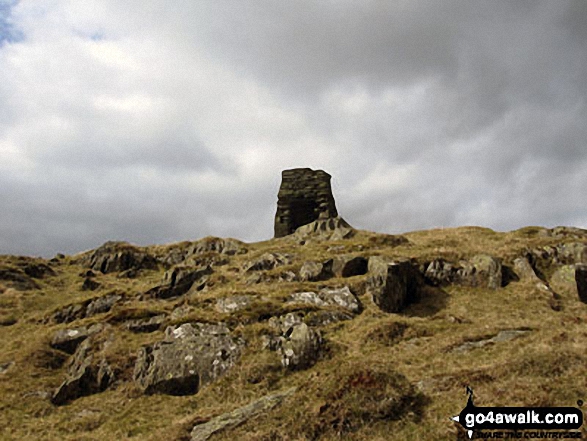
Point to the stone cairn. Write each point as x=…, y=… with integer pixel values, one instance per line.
x=304, y=196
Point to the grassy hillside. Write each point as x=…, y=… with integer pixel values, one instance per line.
x=379, y=375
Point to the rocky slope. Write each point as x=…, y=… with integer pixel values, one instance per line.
x=327, y=333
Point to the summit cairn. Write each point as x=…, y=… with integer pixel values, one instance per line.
x=304, y=196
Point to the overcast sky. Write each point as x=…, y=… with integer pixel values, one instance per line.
x=158, y=121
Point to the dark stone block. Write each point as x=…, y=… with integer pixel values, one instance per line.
x=304, y=196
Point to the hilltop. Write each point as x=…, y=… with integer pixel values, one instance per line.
x=324, y=332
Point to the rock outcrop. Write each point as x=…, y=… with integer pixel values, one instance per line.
x=190, y=356
x=341, y=297
x=67, y=340
x=393, y=285
x=230, y=420
x=581, y=280
x=179, y=280
x=119, y=256
x=315, y=271
x=334, y=228
x=480, y=271
x=305, y=195
x=87, y=374
x=267, y=262
x=88, y=308
x=300, y=347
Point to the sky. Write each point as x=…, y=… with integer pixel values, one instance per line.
x=155, y=121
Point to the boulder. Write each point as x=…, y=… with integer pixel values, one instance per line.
x=90, y=284
x=267, y=261
x=315, y=271
x=180, y=280
x=335, y=228
x=215, y=244
x=349, y=266
x=206, y=247
x=146, y=325
x=301, y=347
x=88, y=308
x=67, y=340
x=190, y=356
x=86, y=376
x=524, y=269
x=482, y=271
x=230, y=420
x=326, y=317
x=17, y=278
x=338, y=297
x=102, y=304
x=564, y=232
x=232, y=304
x=70, y=313
x=38, y=270
x=393, y=285
x=581, y=280
x=287, y=276
x=440, y=272
x=119, y=256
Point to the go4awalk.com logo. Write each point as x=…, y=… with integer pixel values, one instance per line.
x=519, y=422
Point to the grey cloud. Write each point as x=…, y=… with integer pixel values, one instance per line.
x=426, y=114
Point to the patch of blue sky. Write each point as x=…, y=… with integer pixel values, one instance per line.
x=8, y=32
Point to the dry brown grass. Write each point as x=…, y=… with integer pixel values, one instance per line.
x=338, y=397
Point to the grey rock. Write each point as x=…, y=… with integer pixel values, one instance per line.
x=335, y=228
x=524, y=269
x=190, y=356
x=501, y=336
x=119, y=256
x=102, y=304
x=564, y=232
x=70, y=313
x=233, y=303
x=339, y=297
x=287, y=276
x=324, y=317
x=267, y=262
x=315, y=271
x=38, y=270
x=179, y=280
x=90, y=285
x=230, y=420
x=581, y=280
x=284, y=322
x=86, y=376
x=482, y=271
x=150, y=324
x=215, y=244
x=349, y=266
x=301, y=347
x=17, y=278
x=67, y=340
x=393, y=285
x=208, y=247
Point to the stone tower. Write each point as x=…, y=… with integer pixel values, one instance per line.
x=305, y=195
